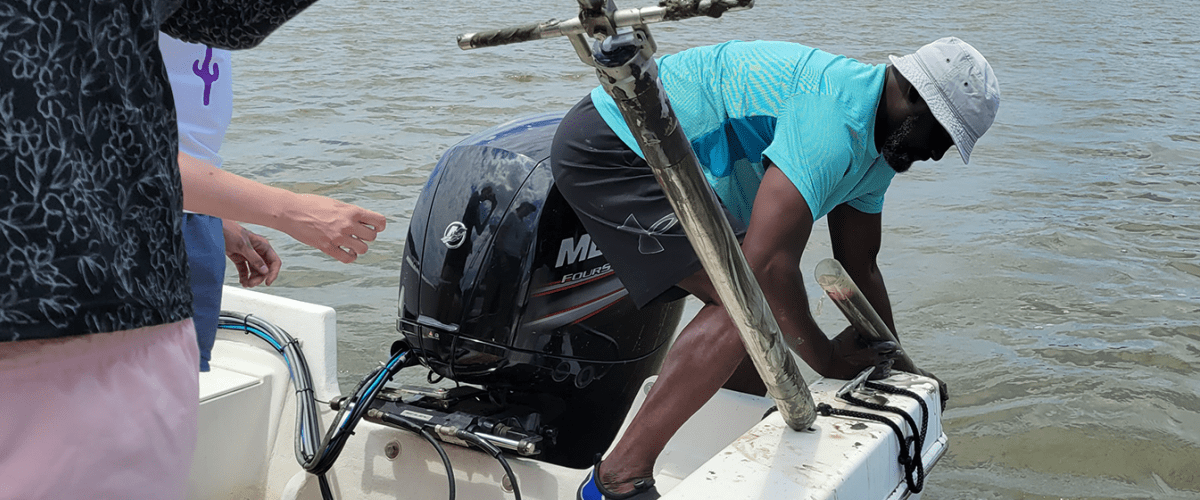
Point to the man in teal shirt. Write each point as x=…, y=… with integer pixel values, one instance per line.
x=786, y=134
x=739, y=102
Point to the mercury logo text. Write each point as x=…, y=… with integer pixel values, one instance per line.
x=570, y=252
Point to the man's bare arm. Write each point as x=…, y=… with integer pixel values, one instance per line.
x=855, y=237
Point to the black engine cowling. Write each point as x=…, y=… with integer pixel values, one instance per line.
x=502, y=287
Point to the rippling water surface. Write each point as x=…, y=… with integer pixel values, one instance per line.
x=1054, y=282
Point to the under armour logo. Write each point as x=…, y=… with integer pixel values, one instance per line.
x=647, y=243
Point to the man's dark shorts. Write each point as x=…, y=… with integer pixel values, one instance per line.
x=622, y=206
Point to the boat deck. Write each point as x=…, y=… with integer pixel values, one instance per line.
x=727, y=450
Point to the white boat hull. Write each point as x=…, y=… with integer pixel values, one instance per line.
x=727, y=450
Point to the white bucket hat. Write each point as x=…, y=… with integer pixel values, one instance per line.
x=958, y=85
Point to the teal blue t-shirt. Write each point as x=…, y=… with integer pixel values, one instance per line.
x=811, y=112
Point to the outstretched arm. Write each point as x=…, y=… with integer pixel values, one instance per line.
x=339, y=229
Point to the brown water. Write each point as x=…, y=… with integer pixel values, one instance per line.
x=1054, y=282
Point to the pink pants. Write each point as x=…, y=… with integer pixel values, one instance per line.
x=103, y=416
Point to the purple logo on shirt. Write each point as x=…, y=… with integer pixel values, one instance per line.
x=208, y=76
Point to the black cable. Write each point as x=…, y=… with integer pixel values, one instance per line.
x=769, y=411
x=405, y=423
x=326, y=492
x=316, y=454
x=356, y=406
x=445, y=458
x=492, y=450
x=307, y=439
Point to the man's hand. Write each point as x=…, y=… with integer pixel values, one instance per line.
x=851, y=354
x=850, y=349
x=252, y=254
x=341, y=230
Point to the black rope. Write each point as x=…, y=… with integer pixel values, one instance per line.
x=920, y=438
x=910, y=447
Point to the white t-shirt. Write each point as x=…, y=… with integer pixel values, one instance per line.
x=202, y=81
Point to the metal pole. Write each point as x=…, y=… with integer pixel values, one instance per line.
x=858, y=311
x=633, y=83
x=853, y=304
x=624, y=63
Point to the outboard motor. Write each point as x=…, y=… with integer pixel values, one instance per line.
x=503, y=289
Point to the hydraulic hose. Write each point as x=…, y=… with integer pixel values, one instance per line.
x=314, y=452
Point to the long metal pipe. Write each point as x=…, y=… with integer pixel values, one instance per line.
x=669, y=10
x=643, y=103
x=845, y=294
x=858, y=311
x=626, y=68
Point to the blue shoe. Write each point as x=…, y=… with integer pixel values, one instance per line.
x=593, y=489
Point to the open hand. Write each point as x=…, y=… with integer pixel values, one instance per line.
x=341, y=230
